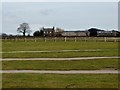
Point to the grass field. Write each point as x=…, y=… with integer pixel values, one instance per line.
x=107, y=49
x=19, y=45
x=60, y=81
x=61, y=65
x=59, y=54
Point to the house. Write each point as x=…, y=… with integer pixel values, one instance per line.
x=48, y=31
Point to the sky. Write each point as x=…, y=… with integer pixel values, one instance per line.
x=66, y=15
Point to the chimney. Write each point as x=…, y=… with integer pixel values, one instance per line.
x=53, y=28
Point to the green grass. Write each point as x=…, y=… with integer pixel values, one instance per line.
x=61, y=65
x=108, y=49
x=60, y=81
x=29, y=46
x=59, y=54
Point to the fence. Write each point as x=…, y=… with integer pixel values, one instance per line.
x=65, y=39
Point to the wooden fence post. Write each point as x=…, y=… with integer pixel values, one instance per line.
x=55, y=39
x=75, y=39
x=65, y=39
x=25, y=40
x=115, y=39
x=45, y=39
x=35, y=40
x=105, y=39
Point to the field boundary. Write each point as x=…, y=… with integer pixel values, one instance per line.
x=65, y=39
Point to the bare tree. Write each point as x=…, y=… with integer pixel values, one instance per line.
x=24, y=28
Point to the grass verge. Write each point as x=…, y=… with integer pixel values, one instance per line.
x=96, y=64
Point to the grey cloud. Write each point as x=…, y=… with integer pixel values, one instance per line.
x=45, y=11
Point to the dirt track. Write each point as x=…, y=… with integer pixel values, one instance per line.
x=91, y=50
x=78, y=58
x=63, y=72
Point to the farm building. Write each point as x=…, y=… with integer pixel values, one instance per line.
x=69, y=33
x=75, y=33
x=104, y=33
x=93, y=31
x=48, y=31
x=107, y=33
x=82, y=33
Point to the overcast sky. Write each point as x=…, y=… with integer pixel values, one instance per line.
x=69, y=15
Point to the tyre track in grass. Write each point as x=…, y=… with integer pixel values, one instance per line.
x=62, y=72
x=77, y=58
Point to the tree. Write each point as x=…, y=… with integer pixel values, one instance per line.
x=59, y=31
x=38, y=33
x=24, y=28
x=4, y=35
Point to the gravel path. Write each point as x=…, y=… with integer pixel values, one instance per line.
x=63, y=72
x=78, y=58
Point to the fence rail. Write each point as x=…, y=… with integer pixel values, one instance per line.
x=65, y=39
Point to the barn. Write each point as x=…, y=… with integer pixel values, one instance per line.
x=75, y=33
